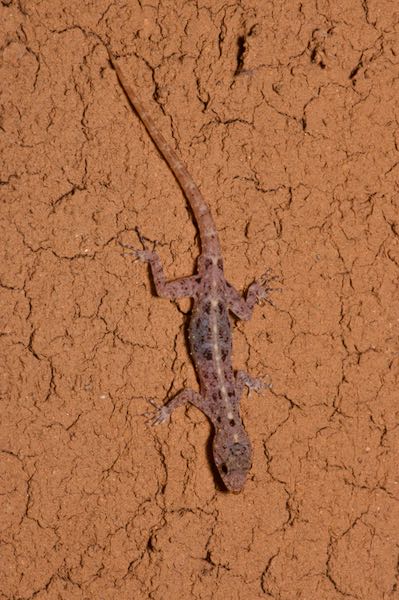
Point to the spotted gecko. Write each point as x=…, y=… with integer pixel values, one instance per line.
x=209, y=332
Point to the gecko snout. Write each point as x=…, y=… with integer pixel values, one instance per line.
x=233, y=465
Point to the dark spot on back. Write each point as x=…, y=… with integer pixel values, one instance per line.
x=207, y=307
x=220, y=263
x=207, y=354
x=232, y=422
x=224, y=336
x=208, y=263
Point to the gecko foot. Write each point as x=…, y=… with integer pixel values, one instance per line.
x=144, y=255
x=252, y=383
x=262, y=287
x=160, y=415
x=141, y=255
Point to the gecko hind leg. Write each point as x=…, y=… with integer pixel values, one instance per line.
x=179, y=288
x=184, y=397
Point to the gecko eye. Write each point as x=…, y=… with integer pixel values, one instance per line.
x=224, y=468
x=232, y=422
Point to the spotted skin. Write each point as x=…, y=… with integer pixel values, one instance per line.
x=209, y=332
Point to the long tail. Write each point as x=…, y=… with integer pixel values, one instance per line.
x=208, y=233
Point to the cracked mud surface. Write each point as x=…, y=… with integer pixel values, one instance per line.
x=286, y=114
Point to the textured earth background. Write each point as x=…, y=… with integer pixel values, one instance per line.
x=286, y=114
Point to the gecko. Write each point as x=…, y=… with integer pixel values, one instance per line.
x=209, y=330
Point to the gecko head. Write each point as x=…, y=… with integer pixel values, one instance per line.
x=233, y=462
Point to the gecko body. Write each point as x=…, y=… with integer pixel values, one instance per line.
x=209, y=332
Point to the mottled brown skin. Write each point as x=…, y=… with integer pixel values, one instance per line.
x=209, y=329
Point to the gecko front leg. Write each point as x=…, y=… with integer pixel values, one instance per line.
x=257, y=291
x=179, y=288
